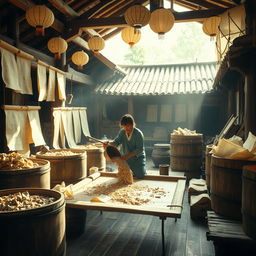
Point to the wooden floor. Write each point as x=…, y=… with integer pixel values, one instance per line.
x=114, y=234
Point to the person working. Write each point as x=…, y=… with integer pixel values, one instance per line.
x=132, y=141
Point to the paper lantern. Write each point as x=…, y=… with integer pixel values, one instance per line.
x=57, y=45
x=40, y=17
x=131, y=35
x=137, y=16
x=80, y=58
x=161, y=21
x=96, y=43
x=210, y=26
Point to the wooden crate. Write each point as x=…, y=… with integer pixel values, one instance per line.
x=228, y=236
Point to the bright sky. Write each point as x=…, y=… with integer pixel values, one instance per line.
x=115, y=48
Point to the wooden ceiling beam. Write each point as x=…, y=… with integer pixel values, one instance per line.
x=114, y=22
x=113, y=33
x=63, y=8
x=220, y=3
x=201, y=3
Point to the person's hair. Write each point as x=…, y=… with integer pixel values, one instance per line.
x=127, y=119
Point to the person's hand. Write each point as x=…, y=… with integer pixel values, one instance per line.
x=105, y=144
x=124, y=157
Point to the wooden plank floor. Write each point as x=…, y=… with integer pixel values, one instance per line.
x=112, y=233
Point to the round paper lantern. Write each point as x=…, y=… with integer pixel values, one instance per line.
x=161, y=21
x=57, y=45
x=210, y=25
x=137, y=16
x=96, y=43
x=80, y=58
x=131, y=35
x=40, y=17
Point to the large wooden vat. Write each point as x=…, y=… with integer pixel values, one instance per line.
x=95, y=157
x=69, y=169
x=226, y=186
x=249, y=200
x=161, y=154
x=208, y=156
x=186, y=154
x=37, y=177
x=39, y=231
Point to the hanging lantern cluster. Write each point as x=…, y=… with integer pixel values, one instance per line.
x=80, y=58
x=137, y=16
x=131, y=35
x=161, y=21
x=40, y=17
x=96, y=44
x=57, y=46
x=210, y=25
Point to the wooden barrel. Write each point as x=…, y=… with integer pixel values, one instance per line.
x=226, y=186
x=37, y=177
x=249, y=200
x=69, y=169
x=39, y=231
x=95, y=157
x=186, y=154
x=208, y=156
x=161, y=154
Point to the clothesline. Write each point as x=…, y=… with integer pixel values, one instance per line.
x=69, y=108
x=25, y=55
x=20, y=108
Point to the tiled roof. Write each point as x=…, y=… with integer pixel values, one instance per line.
x=161, y=80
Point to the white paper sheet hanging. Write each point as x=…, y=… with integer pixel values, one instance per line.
x=9, y=70
x=56, y=131
x=24, y=75
x=34, y=121
x=84, y=122
x=77, y=125
x=16, y=122
x=41, y=82
x=68, y=127
x=61, y=86
x=51, y=85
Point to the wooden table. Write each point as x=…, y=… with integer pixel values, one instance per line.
x=164, y=207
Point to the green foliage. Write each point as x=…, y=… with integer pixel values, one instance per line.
x=135, y=55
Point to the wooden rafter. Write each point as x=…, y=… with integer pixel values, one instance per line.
x=64, y=8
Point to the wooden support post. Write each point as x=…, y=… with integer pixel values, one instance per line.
x=250, y=79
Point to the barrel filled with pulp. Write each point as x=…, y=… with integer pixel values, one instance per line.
x=68, y=165
x=37, y=176
x=32, y=231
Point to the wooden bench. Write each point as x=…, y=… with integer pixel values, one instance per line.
x=228, y=236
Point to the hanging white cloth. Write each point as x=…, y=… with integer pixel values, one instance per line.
x=61, y=86
x=16, y=128
x=9, y=70
x=56, y=133
x=34, y=121
x=24, y=75
x=41, y=82
x=84, y=122
x=77, y=125
x=68, y=127
x=51, y=85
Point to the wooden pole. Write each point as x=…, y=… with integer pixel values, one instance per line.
x=250, y=79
